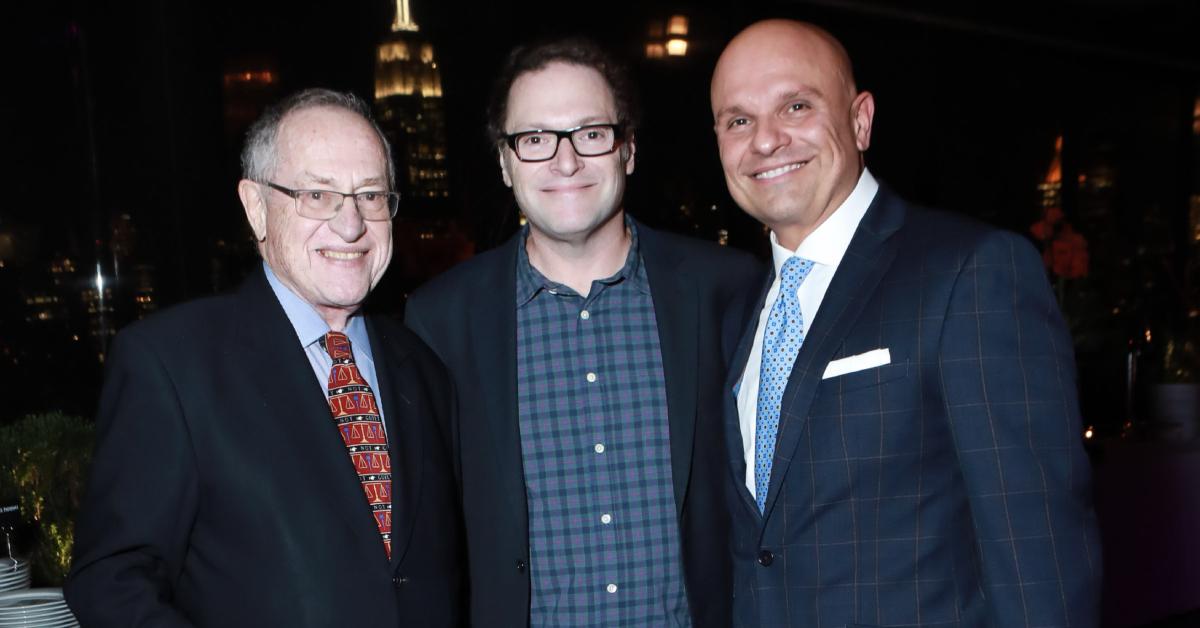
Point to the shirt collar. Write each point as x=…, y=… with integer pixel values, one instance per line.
x=530, y=281
x=828, y=242
x=308, y=324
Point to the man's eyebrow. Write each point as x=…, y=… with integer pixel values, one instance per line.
x=585, y=121
x=730, y=110
x=371, y=181
x=803, y=92
x=316, y=178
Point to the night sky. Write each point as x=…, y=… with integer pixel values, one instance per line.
x=116, y=108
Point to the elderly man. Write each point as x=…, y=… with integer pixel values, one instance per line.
x=588, y=353
x=272, y=457
x=906, y=440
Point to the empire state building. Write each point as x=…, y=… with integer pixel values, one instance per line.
x=408, y=105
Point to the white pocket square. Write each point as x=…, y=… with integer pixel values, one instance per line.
x=862, y=361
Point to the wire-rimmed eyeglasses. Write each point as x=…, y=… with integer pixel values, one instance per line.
x=325, y=204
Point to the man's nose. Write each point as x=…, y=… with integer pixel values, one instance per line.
x=769, y=137
x=348, y=223
x=566, y=161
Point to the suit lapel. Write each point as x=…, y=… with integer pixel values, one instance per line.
x=495, y=335
x=676, y=309
x=866, y=260
x=733, y=425
x=295, y=401
x=403, y=405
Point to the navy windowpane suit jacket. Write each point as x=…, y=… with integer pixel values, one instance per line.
x=948, y=487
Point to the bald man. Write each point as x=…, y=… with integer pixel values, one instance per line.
x=904, y=428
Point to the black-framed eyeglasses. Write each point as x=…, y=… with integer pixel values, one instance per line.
x=325, y=204
x=589, y=140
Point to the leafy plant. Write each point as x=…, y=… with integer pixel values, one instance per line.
x=43, y=462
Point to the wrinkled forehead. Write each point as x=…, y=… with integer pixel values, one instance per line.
x=327, y=133
x=812, y=58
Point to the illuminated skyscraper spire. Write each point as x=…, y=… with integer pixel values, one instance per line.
x=408, y=106
x=403, y=21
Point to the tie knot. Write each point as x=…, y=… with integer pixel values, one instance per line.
x=795, y=269
x=337, y=345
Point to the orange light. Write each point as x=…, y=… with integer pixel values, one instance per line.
x=677, y=47
x=677, y=25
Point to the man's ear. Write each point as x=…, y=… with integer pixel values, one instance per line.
x=255, y=205
x=628, y=151
x=503, y=167
x=863, y=113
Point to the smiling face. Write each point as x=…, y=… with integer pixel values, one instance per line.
x=569, y=197
x=331, y=264
x=789, y=125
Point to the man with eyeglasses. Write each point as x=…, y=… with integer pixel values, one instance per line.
x=273, y=457
x=587, y=353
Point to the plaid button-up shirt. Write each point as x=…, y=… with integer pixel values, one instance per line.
x=603, y=537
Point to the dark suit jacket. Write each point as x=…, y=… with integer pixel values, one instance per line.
x=221, y=493
x=947, y=488
x=468, y=316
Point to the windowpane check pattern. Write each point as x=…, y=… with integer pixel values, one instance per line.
x=604, y=542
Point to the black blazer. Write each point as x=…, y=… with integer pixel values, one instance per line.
x=701, y=295
x=221, y=493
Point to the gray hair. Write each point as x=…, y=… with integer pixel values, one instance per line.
x=260, y=155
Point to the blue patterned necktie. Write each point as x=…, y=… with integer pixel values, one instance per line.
x=781, y=343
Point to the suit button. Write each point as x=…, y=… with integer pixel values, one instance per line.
x=521, y=566
x=399, y=581
x=765, y=558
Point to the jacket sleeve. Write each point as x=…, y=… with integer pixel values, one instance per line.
x=132, y=530
x=1008, y=384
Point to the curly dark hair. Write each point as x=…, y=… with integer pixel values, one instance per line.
x=573, y=51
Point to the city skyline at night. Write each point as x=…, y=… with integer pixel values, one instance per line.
x=141, y=110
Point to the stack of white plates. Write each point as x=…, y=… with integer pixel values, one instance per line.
x=35, y=608
x=14, y=574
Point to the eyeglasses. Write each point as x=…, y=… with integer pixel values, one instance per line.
x=325, y=204
x=588, y=141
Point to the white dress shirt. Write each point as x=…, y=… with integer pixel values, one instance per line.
x=825, y=247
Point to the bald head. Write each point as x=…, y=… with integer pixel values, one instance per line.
x=787, y=41
x=790, y=123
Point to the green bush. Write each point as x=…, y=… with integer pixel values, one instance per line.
x=44, y=459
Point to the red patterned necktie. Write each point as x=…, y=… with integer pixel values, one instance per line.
x=357, y=417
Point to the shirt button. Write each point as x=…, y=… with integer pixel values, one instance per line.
x=606, y=518
x=599, y=448
x=611, y=588
x=591, y=378
x=585, y=315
